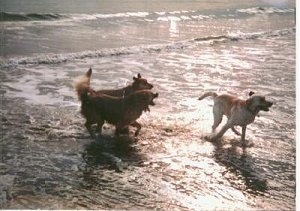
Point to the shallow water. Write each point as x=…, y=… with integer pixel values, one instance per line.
x=49, y=161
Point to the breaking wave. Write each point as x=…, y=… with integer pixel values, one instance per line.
x=160, y=16
x=266, y=10
x=61, y=58
x=4, y=16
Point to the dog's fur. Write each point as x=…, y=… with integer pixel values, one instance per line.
x=139, y=83
x=97, y=107
x=239, y=112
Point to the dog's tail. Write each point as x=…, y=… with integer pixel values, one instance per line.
x=82, y=85
x=207, y=94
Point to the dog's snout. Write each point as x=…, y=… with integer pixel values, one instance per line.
x=270, y=104
x=156, y=95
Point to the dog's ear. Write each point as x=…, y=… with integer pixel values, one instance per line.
x=138, y=77
x=89, y=72
x=251, y=93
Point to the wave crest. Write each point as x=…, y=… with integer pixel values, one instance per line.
x=265, y=10
x=60, y=58
x=4, y=16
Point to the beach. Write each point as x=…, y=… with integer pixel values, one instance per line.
x=184, y=48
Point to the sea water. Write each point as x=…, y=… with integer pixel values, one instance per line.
x=184, y=48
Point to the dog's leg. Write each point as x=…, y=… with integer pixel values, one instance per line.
x=221, y=132
x=243, y=139
x=119, y=129
x=235, y=131
x=124, y=130
x=138, y=126
x=88, y=127
x=218, y=115
x=99, y=126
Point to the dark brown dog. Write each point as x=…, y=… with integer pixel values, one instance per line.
x=139, y=83
x=97, y=107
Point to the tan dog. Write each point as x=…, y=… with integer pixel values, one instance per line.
x=119, y=111
x=139, y=83
x=239, y=112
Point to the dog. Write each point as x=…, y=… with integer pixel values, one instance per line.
x=97, y=107
x=139, y=83
x=239, y=112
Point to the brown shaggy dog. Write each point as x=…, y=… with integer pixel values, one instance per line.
x=139, y=83
x=239, y=112
x=97, y=107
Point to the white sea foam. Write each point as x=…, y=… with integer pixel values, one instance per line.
x=60, y=58
x=183, y=17
x=106, y=16
x=202, y=17
x=169, y=18
x=160, y=13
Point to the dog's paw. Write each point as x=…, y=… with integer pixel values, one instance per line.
x=136, y=133
x=210, y=138
x=93, y=135
x=147, y=109
x=207, y=138
x=247, y=144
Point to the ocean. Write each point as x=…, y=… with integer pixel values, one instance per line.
x=184, y=48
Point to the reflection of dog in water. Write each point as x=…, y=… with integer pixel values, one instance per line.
x=239, y=112
x=120, y=111
x=242, y=167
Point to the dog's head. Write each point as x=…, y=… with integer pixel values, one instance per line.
x=82, y=84
x=140, y=83
x=258, y=103
x=142, y=99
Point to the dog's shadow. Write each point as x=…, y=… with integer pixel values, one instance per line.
x=116, y=153
x=241, y=166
